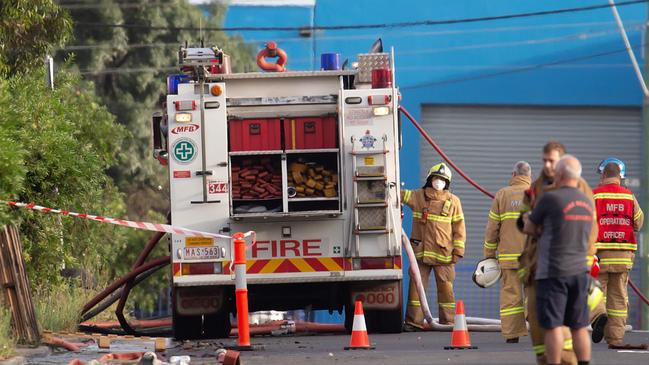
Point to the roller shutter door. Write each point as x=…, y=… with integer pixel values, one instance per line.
x=486, y=141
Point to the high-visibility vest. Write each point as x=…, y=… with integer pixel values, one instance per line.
x=614, y=206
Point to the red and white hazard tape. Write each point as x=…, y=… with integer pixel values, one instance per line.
x=156, y=227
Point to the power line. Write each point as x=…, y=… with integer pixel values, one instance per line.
x=510, y=69
x=570, y=37
x=372, y=36
x=582, y=36
x=81, y=6
x=404, y=69
x=516, y=70
x=449, y=67
x=368, y=26
x=127, y=70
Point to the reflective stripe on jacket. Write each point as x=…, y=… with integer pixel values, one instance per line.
x=502, y=234
x=438, y=230
x=618, y=216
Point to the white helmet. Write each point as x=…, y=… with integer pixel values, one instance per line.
x=487, y=273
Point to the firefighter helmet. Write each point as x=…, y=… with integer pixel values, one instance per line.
x=442, y=171
x=620, y=163
x=487, y=273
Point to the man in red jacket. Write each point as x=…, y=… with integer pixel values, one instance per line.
x=618, y=218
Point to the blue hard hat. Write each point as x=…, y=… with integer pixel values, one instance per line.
x=602, y=165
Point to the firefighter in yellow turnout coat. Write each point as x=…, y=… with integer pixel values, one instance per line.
x=437, y=238
x=505, y=242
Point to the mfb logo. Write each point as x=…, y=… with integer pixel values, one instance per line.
x=185, y=129
x=287, y=248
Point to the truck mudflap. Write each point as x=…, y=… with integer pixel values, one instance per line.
x=198, y=300
x=380, y=296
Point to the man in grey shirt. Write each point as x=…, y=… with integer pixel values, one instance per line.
x=564, y=219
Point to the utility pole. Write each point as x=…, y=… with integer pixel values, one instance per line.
x=644, y=252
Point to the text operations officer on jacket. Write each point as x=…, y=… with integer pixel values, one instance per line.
x=437, y=238
x=618, y=218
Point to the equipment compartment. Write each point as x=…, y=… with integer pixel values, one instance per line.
x=255, y=134
x=310, y=133
x=256, y=183
x=313, y=181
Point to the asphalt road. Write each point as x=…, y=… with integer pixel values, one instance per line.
x=406, y=348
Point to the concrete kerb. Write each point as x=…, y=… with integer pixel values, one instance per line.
x=16, y=360
x=23, y=353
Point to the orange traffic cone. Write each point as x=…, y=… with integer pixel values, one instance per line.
x=359, y=340
x=460, y=337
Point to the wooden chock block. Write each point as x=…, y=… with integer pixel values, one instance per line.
x=160, y=344
x=104, y=342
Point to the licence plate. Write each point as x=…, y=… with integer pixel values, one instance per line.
x=202, y=253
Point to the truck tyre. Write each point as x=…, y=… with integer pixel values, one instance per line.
x=217, y=325
x=383, y=321
x=187, y=327
x=349, y=317
x=377, y=320
x=390, y=321
x=372, y=321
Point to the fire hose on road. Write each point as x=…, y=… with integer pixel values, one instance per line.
x=473, y=324
x=416, y=277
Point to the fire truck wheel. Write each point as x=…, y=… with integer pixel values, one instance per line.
x=373, y=321
x=383, y=321
x=349, y=317
x=377, y=321
x=390, y=321
x=187, y=327
x=217, y=325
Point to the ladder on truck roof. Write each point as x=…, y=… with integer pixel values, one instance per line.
x=370, y=191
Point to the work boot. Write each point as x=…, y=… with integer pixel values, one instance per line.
x=512, y=340
x=410, y=328
x=598, y=328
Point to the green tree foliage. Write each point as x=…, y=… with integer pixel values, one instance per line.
x=129, y=67
x=29, y=29
x=56, y=147
x=6, y=340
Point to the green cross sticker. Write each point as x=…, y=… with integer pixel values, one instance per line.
x=184, y=151
x=336, y=249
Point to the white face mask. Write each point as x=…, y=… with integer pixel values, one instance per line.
x=439, y=184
